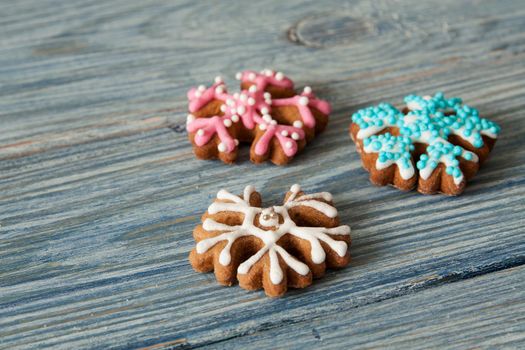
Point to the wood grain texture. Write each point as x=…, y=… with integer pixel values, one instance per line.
x=451, y=316
x=99, y=191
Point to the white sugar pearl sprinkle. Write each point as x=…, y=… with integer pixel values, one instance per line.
x=233, y=111
x=251, y=76
x=235, y=118
x=218, y=79
x=279, y=76
x=241, y=109
x=230, y=102
x=303, y=100
x=221, y=147
x=198, y=93
x=251, y=101
x=236, y=95
x=190, y=118
x=267, y=118
x=243, y=97
x=288, y=144
x=219, y=89
x=262, y=126
x=238, y=76
x=284, y=133
x=252, y=88
x=236, y=142
x=295, y=136
x=268, y=72
x=200, y=132
x=265, y=110
x=298, y=124
x=273, y=122
x=307, y=90
x=227, y=123
x=201, y=88
x=223, y=108
x=267, y=95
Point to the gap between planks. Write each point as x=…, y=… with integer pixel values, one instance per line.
x=418, y=286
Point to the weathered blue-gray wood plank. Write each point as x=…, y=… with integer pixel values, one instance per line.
x=96, y=177
x=102, y=242
x=484, y=312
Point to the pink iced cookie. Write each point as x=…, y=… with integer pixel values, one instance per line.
x=267, y=113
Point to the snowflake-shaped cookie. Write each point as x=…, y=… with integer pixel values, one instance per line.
x=266, y=112
x=438, y=140
x=272, y=248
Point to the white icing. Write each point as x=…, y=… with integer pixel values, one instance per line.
x=471, y=138
x=489, y=134
x=427, y=171
x=425, y=137
x=303, y=100
x=428, y=138
x=248, y=190
x=413, y=106
x=411, y=118
x=276, y=273
x=406, y=173
x=270, y=217
x=324, y=195
x=324, y=208
x=371, y=130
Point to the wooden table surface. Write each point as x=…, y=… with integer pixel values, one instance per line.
x=100, y=191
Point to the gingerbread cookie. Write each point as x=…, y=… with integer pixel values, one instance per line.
x=266, y=113
x=434, y=142
x=272, y=248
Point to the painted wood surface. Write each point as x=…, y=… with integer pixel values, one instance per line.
x=99, y=191
x=460, y=314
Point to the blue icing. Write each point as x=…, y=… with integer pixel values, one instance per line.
x=430, y=121
x=391, y=148
x=431, y=113
x=382, y=113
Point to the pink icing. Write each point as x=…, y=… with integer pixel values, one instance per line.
x=304, y=109
x=199, y=98
x=288, y=144
x=252, y=107
x=210, y=126
x=265, y=78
